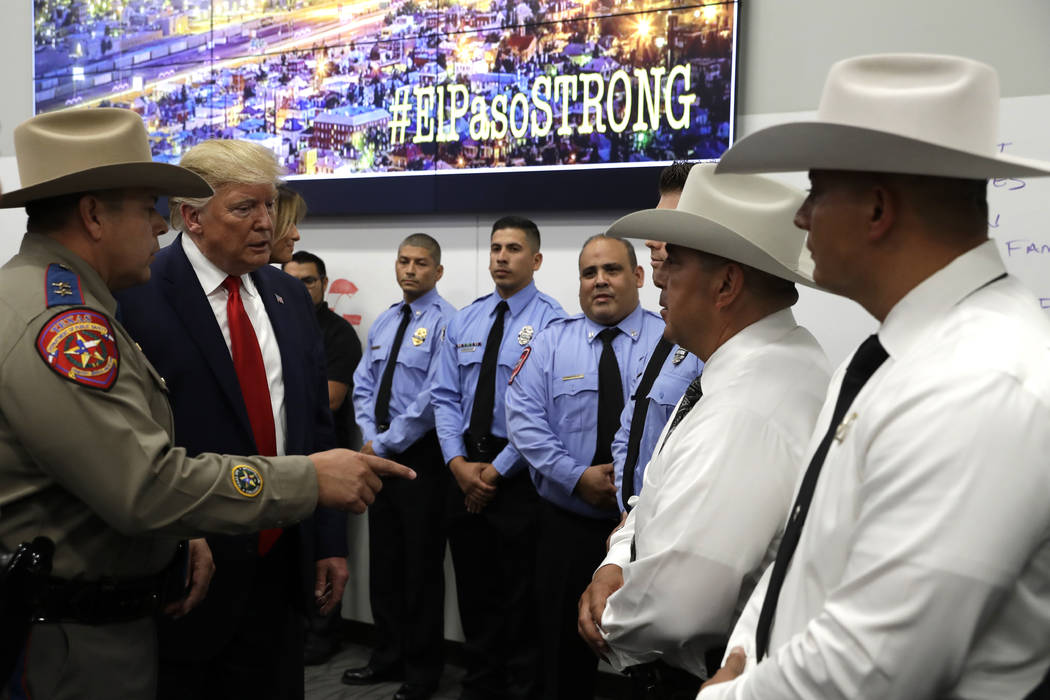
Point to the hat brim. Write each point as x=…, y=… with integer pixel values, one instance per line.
x=800, y=146
x=703, y=234
x=166, y=179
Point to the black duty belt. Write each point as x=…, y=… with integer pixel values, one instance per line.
x=98, y=602
x=658, y=680
x=484, y=448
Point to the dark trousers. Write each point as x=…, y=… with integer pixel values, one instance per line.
x=570, y=548
x=406, y=541
x=257, y=652
x=493, y=553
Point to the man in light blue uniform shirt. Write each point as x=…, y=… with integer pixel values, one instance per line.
x=634, y=443
x=563, y=410
x=677, y=370
x=406, y=537
x=493, y=505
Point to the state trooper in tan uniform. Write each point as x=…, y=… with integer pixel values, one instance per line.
x=86, y=457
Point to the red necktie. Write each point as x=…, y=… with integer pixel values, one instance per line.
x=251, y=375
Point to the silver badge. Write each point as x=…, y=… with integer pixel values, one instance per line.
x=679, y=355
x=525, y=335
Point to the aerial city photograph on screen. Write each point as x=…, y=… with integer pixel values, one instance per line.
x=361, y=87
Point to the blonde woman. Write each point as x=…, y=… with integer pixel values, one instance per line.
x=289, y=211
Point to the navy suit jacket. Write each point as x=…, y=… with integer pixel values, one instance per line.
x=171, y=318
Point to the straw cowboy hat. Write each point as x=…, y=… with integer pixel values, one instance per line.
x=86, y=150
x=900, y=113
x=745, y=218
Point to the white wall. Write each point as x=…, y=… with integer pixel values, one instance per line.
x=786, y=48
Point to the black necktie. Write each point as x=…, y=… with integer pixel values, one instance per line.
x=485, y=393
x=383, y=397
x=610, y=397
x=868, y=358
x=641, y=409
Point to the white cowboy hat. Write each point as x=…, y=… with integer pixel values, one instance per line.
x=85, y=150
x=900, y=113
x=745, y=218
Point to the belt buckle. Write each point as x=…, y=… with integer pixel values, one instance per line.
x=484, y=444
x=382, y=427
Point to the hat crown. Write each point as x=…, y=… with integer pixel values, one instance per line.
x=56, y=144
x=945, y=100
x=758, y=209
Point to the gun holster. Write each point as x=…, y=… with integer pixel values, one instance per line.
x=23, y=574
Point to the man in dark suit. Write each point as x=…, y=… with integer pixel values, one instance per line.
x=242, y=355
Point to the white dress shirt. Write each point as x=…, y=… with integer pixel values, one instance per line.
x=715, y=497
x=211, y=279
x=923, y=569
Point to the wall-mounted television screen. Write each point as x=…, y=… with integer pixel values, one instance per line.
x=412, y=100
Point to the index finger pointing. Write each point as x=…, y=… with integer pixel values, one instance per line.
x=385, y=467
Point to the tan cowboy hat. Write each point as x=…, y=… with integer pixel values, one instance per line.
x=84, y=150
x=745, y=218
x=899, y=113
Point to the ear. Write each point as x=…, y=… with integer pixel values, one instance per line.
x=440, y=273
x=729, y=283
x=639, y=276
x=91, y=212
x=537, y=260
x=881, y=212
x=192, y=216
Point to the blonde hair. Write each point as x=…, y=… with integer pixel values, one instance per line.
x=225, y=162
x=289, y=210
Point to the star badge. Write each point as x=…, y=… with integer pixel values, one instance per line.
x=525, y=335
x=419, y=336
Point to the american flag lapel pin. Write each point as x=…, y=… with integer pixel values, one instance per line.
x=280, y=299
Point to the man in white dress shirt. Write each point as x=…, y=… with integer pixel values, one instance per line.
x=718, y=487
x=923, y=567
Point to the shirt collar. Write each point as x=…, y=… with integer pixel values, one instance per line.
x=938, y=293
x=630, y=325
x=47, y=250
x=516, y=303
x=208, y=274
x=723, y=365
x=422, y=302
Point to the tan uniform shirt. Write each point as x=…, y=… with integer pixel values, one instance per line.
x=94, y=468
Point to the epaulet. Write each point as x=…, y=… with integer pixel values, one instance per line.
x=62, y=286
x=562, y=320
x=551, y=301
x=481, y=298
x=652, y=314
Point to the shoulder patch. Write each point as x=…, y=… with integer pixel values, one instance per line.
x=62, y=286
x=521, y=363
x=247, y=480
x=80, y=345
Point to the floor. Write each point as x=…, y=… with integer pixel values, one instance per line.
x=323, y=682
